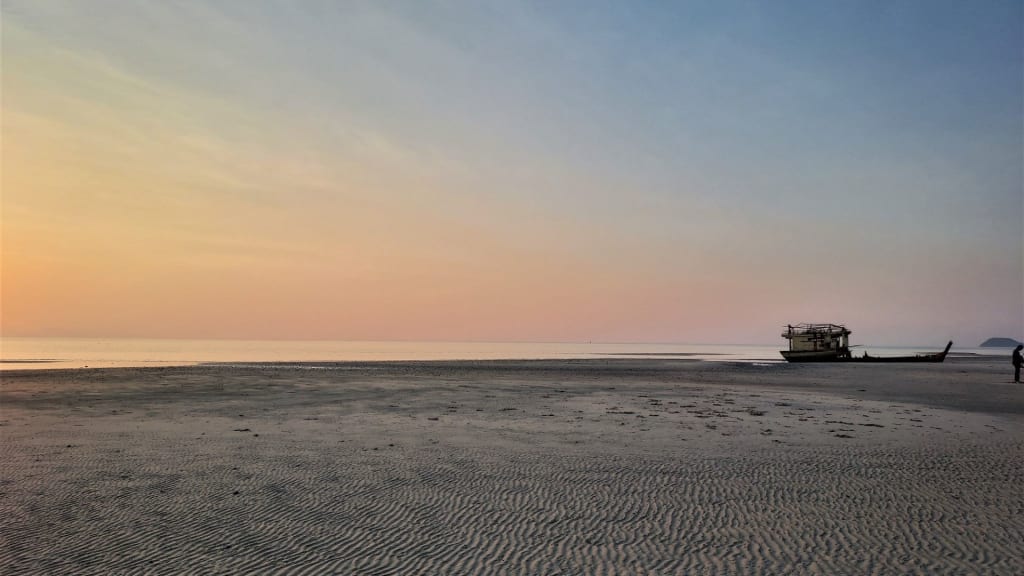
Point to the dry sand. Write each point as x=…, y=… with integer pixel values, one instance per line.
x=547, y=467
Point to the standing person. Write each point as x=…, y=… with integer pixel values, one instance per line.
x=1017, y=361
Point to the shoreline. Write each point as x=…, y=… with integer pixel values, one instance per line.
x=49, y=354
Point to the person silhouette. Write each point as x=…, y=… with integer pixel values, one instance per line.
x=1017, y=360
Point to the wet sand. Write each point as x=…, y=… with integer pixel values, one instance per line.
x=611, y=466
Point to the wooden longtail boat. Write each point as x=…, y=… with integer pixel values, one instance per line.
x=930, y=357
x=831, y=343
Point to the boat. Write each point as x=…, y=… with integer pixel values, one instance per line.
x=831, y=343
x=929, y=357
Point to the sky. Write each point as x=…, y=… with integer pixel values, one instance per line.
x=694, y=172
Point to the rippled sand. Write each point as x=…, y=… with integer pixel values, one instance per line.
x=589, y=467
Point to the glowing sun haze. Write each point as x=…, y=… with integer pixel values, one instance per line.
x=703, y=172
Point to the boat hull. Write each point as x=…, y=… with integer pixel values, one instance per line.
x=814, y=356
x=836, y=356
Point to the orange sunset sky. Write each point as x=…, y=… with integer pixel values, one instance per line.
x=512, y=171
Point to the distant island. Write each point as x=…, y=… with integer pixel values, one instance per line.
x=999, y=343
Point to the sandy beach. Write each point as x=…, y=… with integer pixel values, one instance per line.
x=639, y=466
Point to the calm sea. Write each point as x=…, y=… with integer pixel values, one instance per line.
x=49, y=353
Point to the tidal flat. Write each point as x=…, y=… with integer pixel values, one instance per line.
x=640, y=466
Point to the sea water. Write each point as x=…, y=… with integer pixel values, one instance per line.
x=49, y=353
x=43, y=353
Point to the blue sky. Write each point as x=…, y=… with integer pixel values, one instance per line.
x=634, y=171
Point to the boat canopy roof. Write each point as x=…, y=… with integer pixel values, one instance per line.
x=804, y=329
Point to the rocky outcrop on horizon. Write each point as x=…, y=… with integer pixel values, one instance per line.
x=1000, y=343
